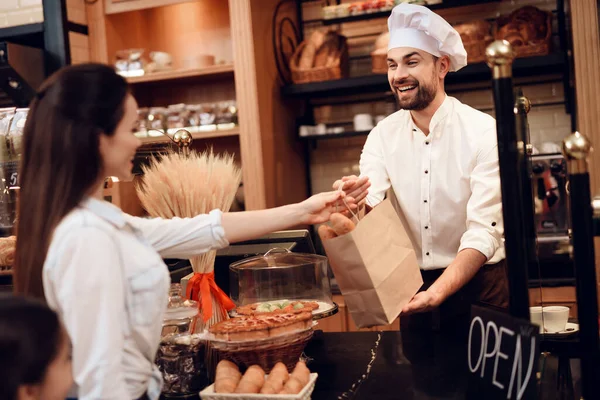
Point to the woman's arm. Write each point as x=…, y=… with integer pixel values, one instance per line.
x=187, y=237
x=247, y=225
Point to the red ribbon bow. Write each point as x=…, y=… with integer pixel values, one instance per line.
x=201, y=286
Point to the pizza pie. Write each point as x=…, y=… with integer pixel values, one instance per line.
x=276, y=307
x=251, y=327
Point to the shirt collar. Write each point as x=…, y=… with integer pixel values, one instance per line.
x=441, y=113
x=105, y=210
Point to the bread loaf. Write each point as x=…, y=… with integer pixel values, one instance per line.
x=7, y=251
x=527, y=25
x=328, y=50
x=473, y=31
x=314, y=42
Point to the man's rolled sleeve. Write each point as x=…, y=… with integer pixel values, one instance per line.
x=484, y=208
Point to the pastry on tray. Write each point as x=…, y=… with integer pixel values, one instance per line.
x=252, y=327
x=276, y=307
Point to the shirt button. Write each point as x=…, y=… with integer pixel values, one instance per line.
x=427, y=142
x=427, y=253
x=426, y=171
x=426, y=227
x=424, y=201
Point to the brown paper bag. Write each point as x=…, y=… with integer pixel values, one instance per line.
x=375, y=266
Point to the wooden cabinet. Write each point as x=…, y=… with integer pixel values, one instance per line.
x=237, y=33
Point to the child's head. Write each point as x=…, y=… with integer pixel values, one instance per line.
x=35, y=352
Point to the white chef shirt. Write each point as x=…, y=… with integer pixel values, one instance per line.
x=105, y=276
x=447, y=183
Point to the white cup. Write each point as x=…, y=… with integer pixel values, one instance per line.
x=536, y=316
x=555, y=318
x=363, y=122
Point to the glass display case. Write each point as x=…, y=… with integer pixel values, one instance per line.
x=279, y=278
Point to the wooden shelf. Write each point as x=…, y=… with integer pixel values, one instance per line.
x=386, y=14
x=214, y=70
x=196, y=135
x=526, y=66
x=335, y=135
x=123, y=6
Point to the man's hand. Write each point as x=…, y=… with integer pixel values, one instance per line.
x=422, y=302
x=355, y=188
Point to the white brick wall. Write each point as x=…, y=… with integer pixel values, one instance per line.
x=333, y=158
x=20, y=12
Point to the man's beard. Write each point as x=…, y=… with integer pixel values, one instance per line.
x=423, y=98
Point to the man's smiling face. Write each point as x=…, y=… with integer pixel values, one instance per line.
x=414, y=77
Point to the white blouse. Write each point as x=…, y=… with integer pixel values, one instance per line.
x=447, y=183
x=105, y=277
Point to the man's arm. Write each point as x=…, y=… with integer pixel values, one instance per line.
x=457, y=274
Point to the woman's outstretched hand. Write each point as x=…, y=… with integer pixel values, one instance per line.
x=318, y=208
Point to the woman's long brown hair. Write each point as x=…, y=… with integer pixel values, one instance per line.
x=60, y=159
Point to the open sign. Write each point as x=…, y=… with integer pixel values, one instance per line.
x=502, y=356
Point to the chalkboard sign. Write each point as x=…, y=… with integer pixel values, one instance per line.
x=502, y=356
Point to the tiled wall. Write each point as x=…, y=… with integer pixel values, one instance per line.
x=20, y=12
x=333, y=158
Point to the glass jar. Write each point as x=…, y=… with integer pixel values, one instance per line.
x=181, y=313
x=207, y=117
x=193, y=114
x=181, y=354
x=8, y=173
x=157, y=119
x=141, y=127
x=176, y=117
x=226, y=116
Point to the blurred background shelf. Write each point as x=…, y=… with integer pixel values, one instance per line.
x=526, y=66
x=385, y=14
x=215, y=70
x=196, y=135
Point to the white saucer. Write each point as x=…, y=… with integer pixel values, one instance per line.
x=570, y=329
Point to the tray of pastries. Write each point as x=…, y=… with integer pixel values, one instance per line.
x=263, y=339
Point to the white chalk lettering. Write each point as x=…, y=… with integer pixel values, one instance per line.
x=479, y=321
x=490, y=326
x=517, y=369
x=499, y=354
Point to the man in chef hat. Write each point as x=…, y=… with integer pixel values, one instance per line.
x=440, y=157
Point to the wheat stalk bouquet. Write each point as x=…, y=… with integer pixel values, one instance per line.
x=178, y=185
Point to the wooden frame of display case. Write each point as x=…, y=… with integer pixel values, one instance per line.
x=236, y=32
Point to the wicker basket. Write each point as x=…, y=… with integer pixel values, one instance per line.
x=305, y=393
x=337, y=71
x=540, y=48
x=264, y=353
x=476, y=50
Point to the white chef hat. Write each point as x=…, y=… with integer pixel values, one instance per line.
x=419, y=27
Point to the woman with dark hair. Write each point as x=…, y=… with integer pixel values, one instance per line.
x=99, y=268
x=35, y=351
